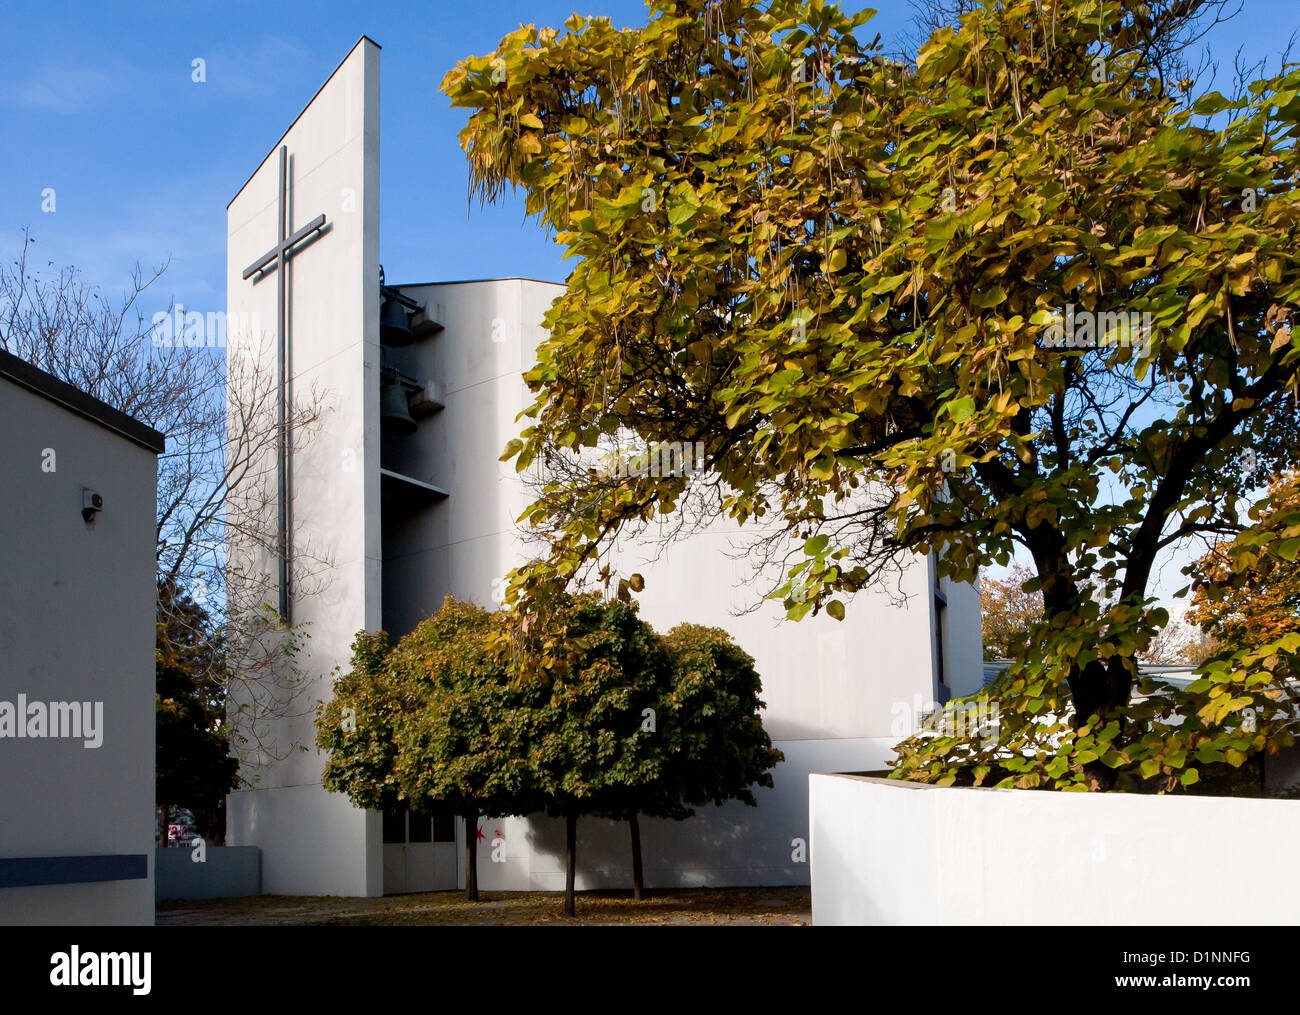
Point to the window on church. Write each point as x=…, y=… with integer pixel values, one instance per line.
x=421, y=827
x=940, y=627
x=402, y=825
x=394, y=824
x=940, y=622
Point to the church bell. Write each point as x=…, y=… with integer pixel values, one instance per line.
x=394, y=324
x=395, y=412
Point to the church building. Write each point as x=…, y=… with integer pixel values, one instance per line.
x=401, y=492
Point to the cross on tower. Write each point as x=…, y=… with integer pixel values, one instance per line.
x=277, y=259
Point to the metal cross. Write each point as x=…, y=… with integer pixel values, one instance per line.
x=277, y=259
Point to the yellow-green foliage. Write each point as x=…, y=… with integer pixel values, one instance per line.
x=837, y=273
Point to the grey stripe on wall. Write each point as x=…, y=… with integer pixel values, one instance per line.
x=22, y=872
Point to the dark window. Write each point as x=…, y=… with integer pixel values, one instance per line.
x=394, y=824
x=437, y=827
x=940, y=622
x=940, y=629
x=421, y=827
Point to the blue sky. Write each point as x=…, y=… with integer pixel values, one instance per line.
x=97, y=102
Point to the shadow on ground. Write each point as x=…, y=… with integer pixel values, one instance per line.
x=670, y=907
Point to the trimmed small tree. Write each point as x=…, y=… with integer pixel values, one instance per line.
x=714, y=709
x=358, y=728
x=639, y=724
x=591, y=752
x=434, y=721
x=465, y=744
x=707, y=743
x=625, y=722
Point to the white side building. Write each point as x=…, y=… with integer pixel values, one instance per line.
x=77, y=681
x=407, y=519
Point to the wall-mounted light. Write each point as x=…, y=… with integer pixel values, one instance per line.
x=91, y=504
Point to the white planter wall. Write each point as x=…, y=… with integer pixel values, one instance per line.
x=891, y=852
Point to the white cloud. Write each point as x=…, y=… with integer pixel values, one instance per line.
x=67, y=90
x=258, y=70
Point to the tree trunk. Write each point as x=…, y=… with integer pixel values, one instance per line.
x=162, y=826
x=471, y=856
x=571, y=860
x=638, y=880
x=1099, y=688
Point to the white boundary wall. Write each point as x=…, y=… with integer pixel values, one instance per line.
x=891, y=852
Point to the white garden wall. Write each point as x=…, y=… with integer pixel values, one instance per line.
x=891, y=852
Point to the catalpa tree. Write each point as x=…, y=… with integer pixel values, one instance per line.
x=1021, y=293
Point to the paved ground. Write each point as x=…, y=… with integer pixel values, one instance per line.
x=719, y=906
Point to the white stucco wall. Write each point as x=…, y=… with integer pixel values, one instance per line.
x=76, y=624
x=312, y=842
x=886, y=852
x=463, y=544
x=732, y=845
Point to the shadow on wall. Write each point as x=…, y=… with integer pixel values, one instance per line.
x=731, y=845
x=721, y=849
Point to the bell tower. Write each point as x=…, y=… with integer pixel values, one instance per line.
x=303, y=268
x=410, y=394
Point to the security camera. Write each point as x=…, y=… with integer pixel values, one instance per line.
x=91, y=504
